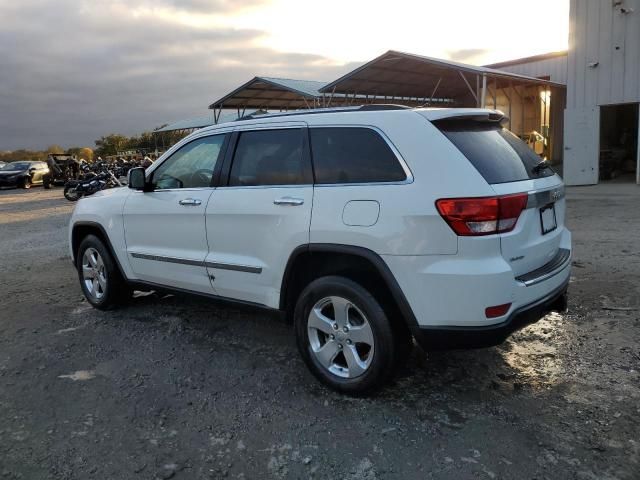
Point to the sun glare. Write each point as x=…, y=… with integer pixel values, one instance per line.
x=465, y=30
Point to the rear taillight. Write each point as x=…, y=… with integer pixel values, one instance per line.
x=482, y=215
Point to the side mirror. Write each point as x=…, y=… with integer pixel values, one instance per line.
x=137, y=180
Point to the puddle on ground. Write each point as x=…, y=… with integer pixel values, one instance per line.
x=533, y=355
x=80, y=375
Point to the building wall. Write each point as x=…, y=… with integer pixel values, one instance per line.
x=603, y=69
x=555, y=68
x=599, y=32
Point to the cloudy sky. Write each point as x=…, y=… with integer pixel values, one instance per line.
x=73, y=70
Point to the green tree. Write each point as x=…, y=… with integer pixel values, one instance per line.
x=81, y=152
x=111, y=144
x=54, y=149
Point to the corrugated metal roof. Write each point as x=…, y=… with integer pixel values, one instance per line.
x=188, y=123
x=271, y=92
x=199, y=122
x=534, y=58
x=310, y=88
x=406, y=74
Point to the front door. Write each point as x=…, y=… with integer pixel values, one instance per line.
x=165, y=228
x=261, y=215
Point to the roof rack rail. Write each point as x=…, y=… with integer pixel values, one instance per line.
x=362, y=108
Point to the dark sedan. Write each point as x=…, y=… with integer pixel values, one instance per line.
x=22, y=174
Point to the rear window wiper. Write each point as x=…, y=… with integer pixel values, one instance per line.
x=542, y=165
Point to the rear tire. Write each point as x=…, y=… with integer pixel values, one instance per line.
x=102, y=284
x=354, y=360
x=26, y=183
x=45, y=182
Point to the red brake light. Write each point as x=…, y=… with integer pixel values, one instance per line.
x=482, y=215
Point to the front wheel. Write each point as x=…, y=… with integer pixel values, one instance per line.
x=71, y=193
x=46, y=182
x=101, y=282
x=26, y=183
x=344, y=335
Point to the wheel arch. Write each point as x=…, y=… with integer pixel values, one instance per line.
x=81, y=230
x=311, y=261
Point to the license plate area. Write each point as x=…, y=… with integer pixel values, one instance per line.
x=548, y=221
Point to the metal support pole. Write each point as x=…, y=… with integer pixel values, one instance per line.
x=524, y=91
x=483, y=95
x=475, y=96
x=508, y=89
x=331, y=97
x=434, y=90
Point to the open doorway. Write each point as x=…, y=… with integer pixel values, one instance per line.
x=619, y=142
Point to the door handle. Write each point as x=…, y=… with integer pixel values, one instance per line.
x=190, y=202
x=290, y=201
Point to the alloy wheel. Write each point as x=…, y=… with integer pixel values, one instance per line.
x=340, y=337
x=94, y=274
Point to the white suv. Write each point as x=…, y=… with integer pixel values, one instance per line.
x=368, y=226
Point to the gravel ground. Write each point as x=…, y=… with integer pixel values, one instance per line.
x=174, y=387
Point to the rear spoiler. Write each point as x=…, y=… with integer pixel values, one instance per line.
x=477, y=114
x=495, y=116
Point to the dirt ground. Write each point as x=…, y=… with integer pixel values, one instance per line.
x=174, y=387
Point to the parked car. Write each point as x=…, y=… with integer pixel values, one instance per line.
x=367, y=226
x=22, y=174
x=2, y=164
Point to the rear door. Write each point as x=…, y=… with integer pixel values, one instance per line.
x=261, y=211
x=511, y=167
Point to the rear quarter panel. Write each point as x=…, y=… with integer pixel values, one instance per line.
x=408, y=223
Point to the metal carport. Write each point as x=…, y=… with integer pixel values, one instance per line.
x=269, y=93
x=397, y=77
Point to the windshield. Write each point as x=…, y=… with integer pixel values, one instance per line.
x=16, y=166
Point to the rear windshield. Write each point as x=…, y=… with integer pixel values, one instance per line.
x=495, y=152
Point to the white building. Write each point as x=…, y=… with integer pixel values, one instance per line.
x=602, y=74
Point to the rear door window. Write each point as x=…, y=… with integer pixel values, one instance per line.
x=495, y=152
x=270, y=157
x=353, y=155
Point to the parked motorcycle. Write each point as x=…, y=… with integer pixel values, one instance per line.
x=74, y=190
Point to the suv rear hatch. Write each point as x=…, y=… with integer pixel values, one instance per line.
x=510, y=167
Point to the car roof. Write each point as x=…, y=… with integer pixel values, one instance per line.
x=365, y=112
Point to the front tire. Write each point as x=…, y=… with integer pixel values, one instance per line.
x=344, y=336
x=71, y=194
x=102, y=284
x=26, y=183
x=46, y=182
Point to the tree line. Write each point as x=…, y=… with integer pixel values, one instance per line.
x=146, y=142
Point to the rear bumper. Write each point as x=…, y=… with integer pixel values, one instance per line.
x=453, y=337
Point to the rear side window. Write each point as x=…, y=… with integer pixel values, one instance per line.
x=495, y=152
x=270, y=157
x=353, y=155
